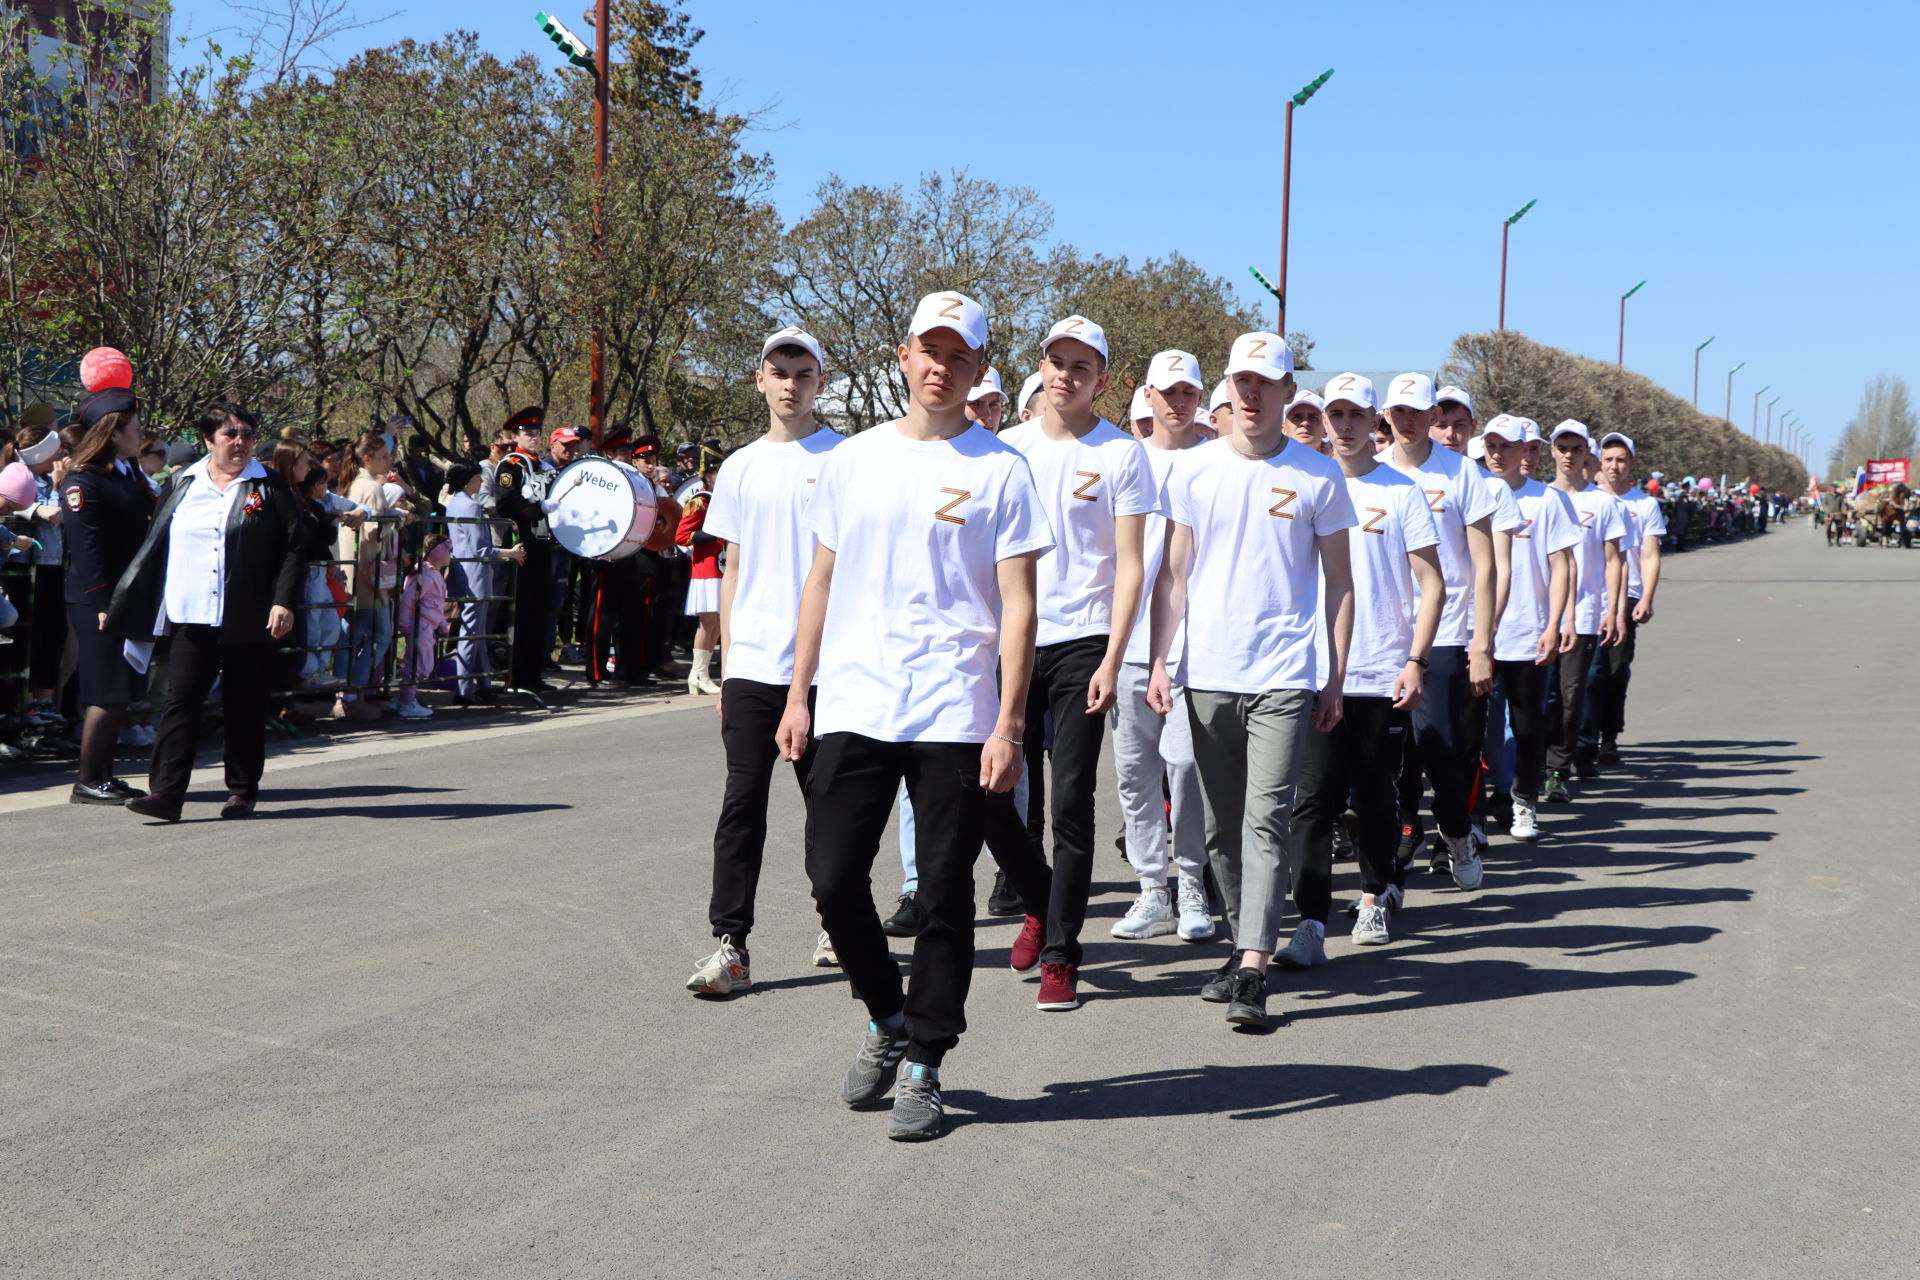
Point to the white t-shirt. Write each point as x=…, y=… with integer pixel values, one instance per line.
x=1601, y=521
x=913, y=621
x=1551, y=525
x=1456, y=499
x=1153, y=555
x=1084, y=485
x=759, y=501
x=1394, y=520
x=1645, y=519
x=1254, y=583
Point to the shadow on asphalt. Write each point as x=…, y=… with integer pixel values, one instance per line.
x=1263, y=1092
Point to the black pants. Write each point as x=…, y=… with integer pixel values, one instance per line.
x=1361, y=759
x=1608, y=671
x=47, y=630
x=1524, y=685
x=852, y=793
x=619, y=614
x=245, y=671
x=1061, y=673
x=1017, y=853
x=1441, y=732
x=749, y=714
x=532, y=602
x=1566, y=702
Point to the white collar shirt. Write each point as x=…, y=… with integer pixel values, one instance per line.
x=197, y=547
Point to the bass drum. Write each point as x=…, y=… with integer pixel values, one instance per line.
x=604, y=511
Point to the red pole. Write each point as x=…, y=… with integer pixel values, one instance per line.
x=1621, y=360
x=1286, y=206
x=1505, y=227
x=597, y=342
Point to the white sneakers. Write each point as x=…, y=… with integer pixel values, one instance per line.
x=1308, y=948
x=1526, y=821
x=413, y=711
x=722, y=973
x=1465, y=860
x=1196, y=918
x=1150, y=916
x=824, y=956
x=1370, y=929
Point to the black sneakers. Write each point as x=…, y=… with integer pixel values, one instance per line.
x=1219, y=988
x=906, y=921
x=1003, y=901
x=1247, y=1003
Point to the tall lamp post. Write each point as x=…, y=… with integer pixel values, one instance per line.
x=1696, y=370
x=1622, y=360
x=1286, y=194
x=1737, y=368
x=594, y=62
x=1754, y=431
x=1769, y=435
x=1506, y=227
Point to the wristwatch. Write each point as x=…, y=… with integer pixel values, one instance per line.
x=1422, y=663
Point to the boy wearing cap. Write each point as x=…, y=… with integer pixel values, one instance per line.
x=1307, y=421
x=1611, y=669
x=1219, y=411
x=1096, y=490
x=1031, y=404
x=1528, y=638
x=1465, y=512
x=1452, y=418
x=1139, y=414
x=1394, y=563
x=1253, y=516
x=928, y=528
x=987, y=403
x=1594, y=613
x=1153, y=754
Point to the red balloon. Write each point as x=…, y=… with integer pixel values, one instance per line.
x=105, y=367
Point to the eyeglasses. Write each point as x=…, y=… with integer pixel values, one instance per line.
x=231, y=433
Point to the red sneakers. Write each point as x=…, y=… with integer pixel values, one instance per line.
x=1059, y=988
x=1026, y=947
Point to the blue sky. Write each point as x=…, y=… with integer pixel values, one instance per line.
x=1752, y=162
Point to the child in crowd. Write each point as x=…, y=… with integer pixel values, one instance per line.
x=423, y=621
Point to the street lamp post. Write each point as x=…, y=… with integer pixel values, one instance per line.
x=1506, y=227
x=1737, y=368
x=1769, y=435
x=1696, y=370
x=594, y=62
x=1754, y=431
x=1286, y=189
x=1622, y=360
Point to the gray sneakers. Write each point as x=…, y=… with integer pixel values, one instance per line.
x=1308, y=948
x=1465, y=861
x=1370, y=929
x=872, y=1072
x=916, y=1105
x=1150, y=916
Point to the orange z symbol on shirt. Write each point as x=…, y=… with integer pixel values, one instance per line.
x=1286, y=500
x=1093, y=478
x=1373, y=525
x=1521, y=532
x=1586, y=519
x=1436, y=500
x=959, y=496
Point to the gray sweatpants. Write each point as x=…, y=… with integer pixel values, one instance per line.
x=1151, y=752
x=1247, y=747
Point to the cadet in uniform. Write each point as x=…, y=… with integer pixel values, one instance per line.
x=520, y=489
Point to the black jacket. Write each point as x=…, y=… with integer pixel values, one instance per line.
x=265, y=565
x=106, y=521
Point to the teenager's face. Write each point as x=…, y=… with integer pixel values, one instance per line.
x=1410, y=424
x=1221, y=419
x=789, y=384
x=1589, y=467
x=1074, y=374
x=1570, y=459
x=1382, y=435
x=1507, y=459
x=1305, y=425
x=1260, y=404
x=1616, y=464
x=940, y=368
x=1173, y=409
x=988, y=410
x=1451, y=427
x=1351, y=427
x=527, y=438
x=377, y=461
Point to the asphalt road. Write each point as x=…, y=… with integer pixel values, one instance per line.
x=425, y=1018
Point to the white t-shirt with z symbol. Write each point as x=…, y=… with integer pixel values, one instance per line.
x=917, y=528
x=1456, y=498
x=1084, y=485
x=1153, y=553
x=1393, y=520
x=1602, y=520
x=1551, y=525
x=759, y=501
x=1644, y=519
x=1253, y=587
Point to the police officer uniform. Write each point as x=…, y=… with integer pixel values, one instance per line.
x=519, y=489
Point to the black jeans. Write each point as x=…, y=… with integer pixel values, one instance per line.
x=1525, y=686
x=852, y=794
x=1608, y=672
x=1061, y=673
x=532, y=605
x=245, y=672
x=1361, y=759
x=1441, y=733
x=749, y=714
x=1566, y=702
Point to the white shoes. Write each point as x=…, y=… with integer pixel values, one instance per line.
x=414, y=711
x=1370, y=930
x=1196, y=918
x=698, y=683
x=1464, y=860
x=1526, y=821
x=1308, y=948
x=1150, y=916
x=824, y=956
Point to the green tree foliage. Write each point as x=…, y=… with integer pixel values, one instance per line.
x=1883, y=427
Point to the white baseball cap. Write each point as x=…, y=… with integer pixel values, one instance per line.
x=1620, y=438
x=1477, y=448
x=1352, y=388
x=1029, y=389
x=1414, y=390
x=955, y=311
x=1169, y=368
x=1571, y=428
x=795, y=336
x=989, y=385
x=1456, y=395
x=1507, y=427
x=1266, y=354
x=1138, y=408
x=1080, y=329
x=1222, y=396
x=1530, y=430
x=1306, y=397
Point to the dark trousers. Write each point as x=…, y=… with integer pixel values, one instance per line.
x=851, y=797
x=1566, y=702
x=1016, y=853
x=1061, y=673
x=1524, y=685
x=1608, y=672
x=47, y=627
x=619, y=622
x=532, y=601
x=245, y=671
x=749, y=714
x=1359, y=759
x=1441, y=734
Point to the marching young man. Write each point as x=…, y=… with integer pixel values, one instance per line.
x=1611, y=669
x=987, y=403
x=1096, y=490
x=1153, y=754
x=1256, y=519
x=758, y=507
x=1307, y=421
x=1596, y=612
x=928, y=528
x=1529, y=635
x=1393, y=561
